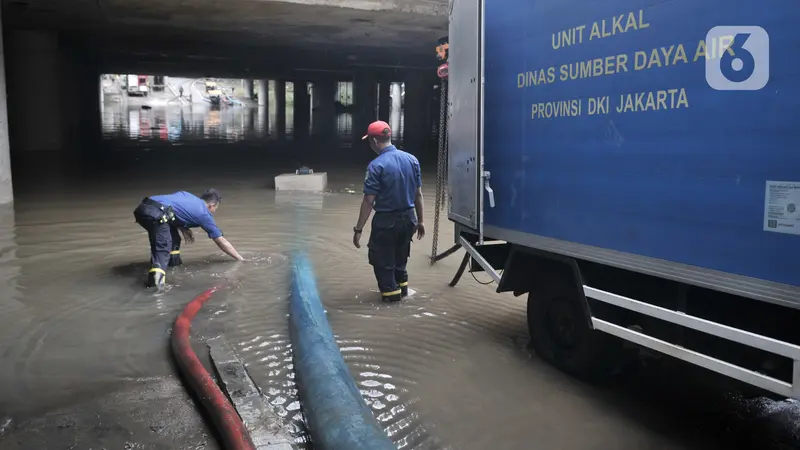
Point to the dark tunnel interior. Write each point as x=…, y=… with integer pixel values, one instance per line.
x=61, y=116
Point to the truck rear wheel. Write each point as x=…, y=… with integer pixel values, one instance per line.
x=561, y=335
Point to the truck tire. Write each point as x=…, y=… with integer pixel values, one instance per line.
x=561, y=335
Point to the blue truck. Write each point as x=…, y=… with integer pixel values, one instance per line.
x=633, y=166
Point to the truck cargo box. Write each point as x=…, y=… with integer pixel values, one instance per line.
x=644, y=133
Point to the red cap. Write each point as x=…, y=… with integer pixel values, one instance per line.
x=378, y=128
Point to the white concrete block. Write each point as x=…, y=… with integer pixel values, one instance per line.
x=314, y=182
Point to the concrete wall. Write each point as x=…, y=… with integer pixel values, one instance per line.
x=34, y=90
x=6, y=190
x=53, y=96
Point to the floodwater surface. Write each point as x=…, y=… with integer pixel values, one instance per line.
x=85, y=353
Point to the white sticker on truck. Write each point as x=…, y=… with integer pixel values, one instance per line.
x=782, y=207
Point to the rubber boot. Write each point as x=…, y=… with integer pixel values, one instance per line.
x=403, y=289
x=390, y=297
x=156, y=278
x=175, y=258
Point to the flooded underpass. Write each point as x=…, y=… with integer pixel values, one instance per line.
x=85, y=355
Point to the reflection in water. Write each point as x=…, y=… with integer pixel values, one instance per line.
x=200, y=123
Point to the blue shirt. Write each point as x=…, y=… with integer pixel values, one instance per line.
x=191, y=210
x=393, y=178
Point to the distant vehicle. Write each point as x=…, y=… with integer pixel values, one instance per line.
x=137, y=85
x=214, y=94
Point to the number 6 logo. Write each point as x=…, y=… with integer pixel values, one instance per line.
x=738, y=64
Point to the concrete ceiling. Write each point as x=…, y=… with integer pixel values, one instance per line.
x=394, y=30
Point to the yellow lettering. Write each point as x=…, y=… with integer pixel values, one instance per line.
x=622, y=63
x=725, y=45
x=598, y=105
x=555, y=109
x=580, y=33
x=540, y=77
x=551, y=74
x=618, y=24
x=662, y=99
x=608, y=69
x=591, y=68
x=632, y=24
x=606, y=33
x=595, y=34
x=568, y=37
x=653, y=101
x=701, y=51
x=654, y=59
x=642, y=23
x=520, y=80
x=683, y=101
x=639, y=60
x=597, y=67
x=586, y=69
x=680, y=55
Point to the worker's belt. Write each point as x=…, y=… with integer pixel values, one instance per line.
x=396, y=211
x=167, y=216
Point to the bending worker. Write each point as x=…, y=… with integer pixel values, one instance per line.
x=393, y=188
x=167, y=217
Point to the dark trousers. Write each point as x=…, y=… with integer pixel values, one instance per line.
x=389, y=249
x=165, y=240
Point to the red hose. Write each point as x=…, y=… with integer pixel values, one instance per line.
x=226, y=419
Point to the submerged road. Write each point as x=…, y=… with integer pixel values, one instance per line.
x=85, y=359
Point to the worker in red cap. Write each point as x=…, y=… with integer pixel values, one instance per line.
x=393, y=188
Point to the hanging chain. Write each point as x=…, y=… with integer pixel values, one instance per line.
x=441, y=168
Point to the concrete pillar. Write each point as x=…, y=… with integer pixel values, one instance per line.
x=396, y=110
x=262, y=129
x=80, y=117
x=280, y=108
x=414, y=111
x=324, y=108
x=35, y=91
x=6, y=188
x=247, y=86
x=397, y=95
x=384, y=102
x=365, y=103
x=302, y=110
x=102, y=94
x=263, y=92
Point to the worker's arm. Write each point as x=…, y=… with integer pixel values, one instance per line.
x=366, y=209
x=372, y=186
x=216, y=235
x=226, y=247
x=420, y=209
x=419, y=205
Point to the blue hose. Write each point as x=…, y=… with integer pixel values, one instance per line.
x=337, y=416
